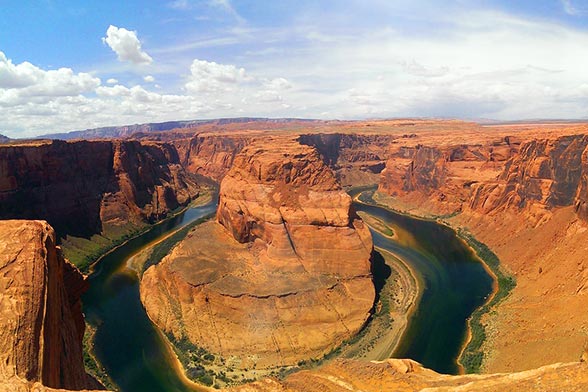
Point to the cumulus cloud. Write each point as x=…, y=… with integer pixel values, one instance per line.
x=208, y=76
x=24, y=81
x=126, y=45
x=35, y=101
x=149, y=79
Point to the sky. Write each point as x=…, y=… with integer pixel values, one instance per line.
x=71, y=65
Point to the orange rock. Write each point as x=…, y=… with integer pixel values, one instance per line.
x=81, y=187
x=404, y=375
x=287, y=280
x=41, y=323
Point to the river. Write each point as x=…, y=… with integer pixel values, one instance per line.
x=137, y=358
x=454, y=280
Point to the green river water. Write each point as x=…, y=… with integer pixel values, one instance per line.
x=138, y=359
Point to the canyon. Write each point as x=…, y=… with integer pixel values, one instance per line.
x=282, y=276
x=257, y=287
x=92, y=192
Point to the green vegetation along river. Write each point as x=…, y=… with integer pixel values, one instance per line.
x=126, y=343
x=454, y=280
x=136, y=356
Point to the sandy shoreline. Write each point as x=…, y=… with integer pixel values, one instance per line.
x=415, y=290
x=414, y=214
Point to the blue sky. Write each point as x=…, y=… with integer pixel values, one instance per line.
x=68, y=65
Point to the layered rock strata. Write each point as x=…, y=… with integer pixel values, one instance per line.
x=405, y=375
x=284, y=277
x=546, y=174
x=443, y=177
x=41, y=322
x=211, y=155
x=81, y=187
x=356, y=159
x=532, y=215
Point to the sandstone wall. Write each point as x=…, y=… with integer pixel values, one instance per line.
x=41, y=323
x=545, y=174
x=284, y=277
x=211, y=155
x=81, y=186
x=441, y=178
x=357, y=159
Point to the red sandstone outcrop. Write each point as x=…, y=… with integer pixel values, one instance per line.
x=443, y=176
x=211, y=155
x=81, y=187
x=288, y=276
x=41, y=322
x=405, y=375
x=357, y=159
x=546, y=174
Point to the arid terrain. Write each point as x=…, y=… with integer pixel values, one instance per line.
x=283, y=274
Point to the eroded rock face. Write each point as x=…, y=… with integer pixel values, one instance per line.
x=409, y=376
x=442, y=177
x=545, y=174
x=211, y=155
x=356, y=159
x=80, y=187
x=41, y=322
x=284, y=277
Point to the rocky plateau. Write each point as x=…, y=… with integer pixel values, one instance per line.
x=283, y=275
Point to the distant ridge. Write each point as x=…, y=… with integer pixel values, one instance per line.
x=127, y=130
x=4, y=139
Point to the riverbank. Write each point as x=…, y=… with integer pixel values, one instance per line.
x=398, y=291
x=84, y=253
x=471, y=354
x=398, y=301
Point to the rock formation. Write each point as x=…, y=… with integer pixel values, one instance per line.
x=531, y=213
x=443, y=176
x=546, y=174
x=83, y=187
x=405, y=375
x=357, y=159
x=212, y=155
x=41, y=322
x=284, y=277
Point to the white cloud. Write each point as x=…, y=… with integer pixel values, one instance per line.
x=480, y=64
x=570, y=9
x=226, y=6
x=25, y=82
x=149, y=79
x=126, y=45
x=61, y=100
x=277, y=84
x=206, y=76
x=112, y=81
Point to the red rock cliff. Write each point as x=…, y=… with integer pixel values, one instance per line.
x=440, y=178
x=41, y=323
x=546, y=174
x=79, y=187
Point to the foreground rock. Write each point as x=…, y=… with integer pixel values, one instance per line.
x=284, y=277
x=405, y=375
x=41, y=322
